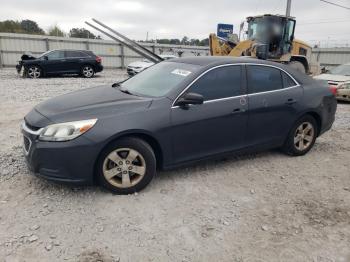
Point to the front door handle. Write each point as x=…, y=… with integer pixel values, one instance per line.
x=291, y=101
x=238, y=111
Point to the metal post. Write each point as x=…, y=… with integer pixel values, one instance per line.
x=47, y=44
x=87, y=46
x=1, y=59
x=289, y=4
x=122, y=57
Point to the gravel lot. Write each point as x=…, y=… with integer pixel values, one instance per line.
x=258, y=207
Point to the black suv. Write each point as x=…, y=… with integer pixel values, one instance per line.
x=58, y=62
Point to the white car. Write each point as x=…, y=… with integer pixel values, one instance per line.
x=138, y=66
x=337, y=75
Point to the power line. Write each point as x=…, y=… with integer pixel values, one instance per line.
x=331, y=3
x=325, y=22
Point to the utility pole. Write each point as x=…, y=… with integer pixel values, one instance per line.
x=289, y=4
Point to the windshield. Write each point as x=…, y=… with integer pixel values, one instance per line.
x=43, y=54
x=159, y=79
x=341, y=70
x=255, y=28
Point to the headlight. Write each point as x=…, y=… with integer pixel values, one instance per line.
x=66, y=131
x=345, y=85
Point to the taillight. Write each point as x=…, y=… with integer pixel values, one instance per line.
x=333, y=89
x=98, y=59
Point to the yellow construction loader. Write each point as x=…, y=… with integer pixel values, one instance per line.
x=269, y=37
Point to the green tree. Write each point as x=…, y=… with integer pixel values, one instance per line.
x=31, y=27
x=10, y=26
x=204, y=42
x=82, y=33
x=56, y=31
x=184, y=40
x=163, y=41
x=194, y=42
x=175, y=42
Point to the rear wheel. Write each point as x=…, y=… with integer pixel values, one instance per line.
x=298, y=66
x=87, y=71
x=302, y=137
x=34, y=72
x=126, y=166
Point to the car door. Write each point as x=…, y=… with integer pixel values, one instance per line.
x=74, y=60
x=273, y=97
x=218, y=125
x=54, y=62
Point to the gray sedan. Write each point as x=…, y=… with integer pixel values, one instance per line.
x=172, y=114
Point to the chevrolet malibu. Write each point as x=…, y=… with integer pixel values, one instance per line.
x=175, y=113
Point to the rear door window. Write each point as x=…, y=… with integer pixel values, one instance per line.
x=287, y=80
x=54, y=55
x=219, y=83
x=75, y=54
x=263, y=79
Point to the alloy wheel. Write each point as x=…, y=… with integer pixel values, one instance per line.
x=124, y=167
x=88, y=71
x=34, y=72
x=304, y=136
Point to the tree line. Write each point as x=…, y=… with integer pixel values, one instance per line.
x=31, y=27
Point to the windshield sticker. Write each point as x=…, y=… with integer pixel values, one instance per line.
x=181, y=72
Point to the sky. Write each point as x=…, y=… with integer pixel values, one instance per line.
x=316, y=20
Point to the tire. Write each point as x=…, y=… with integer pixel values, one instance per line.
x=87, y=71
x=298, y=66
x=301, y=137
x=126, y=166
x=33, y=72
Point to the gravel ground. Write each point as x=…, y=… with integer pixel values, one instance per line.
x=257, y=207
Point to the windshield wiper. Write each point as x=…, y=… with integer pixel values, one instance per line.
x=126, y=91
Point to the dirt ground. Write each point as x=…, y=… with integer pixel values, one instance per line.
x=259, y=207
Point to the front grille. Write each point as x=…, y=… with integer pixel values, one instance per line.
x=26, y=144
x=334, y=83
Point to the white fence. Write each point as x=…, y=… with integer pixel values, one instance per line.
x=331, y=57
x=114, y=55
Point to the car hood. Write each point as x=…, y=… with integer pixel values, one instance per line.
x=140, y=64
x=330, y=77
x=97, y=102
x=28, y=56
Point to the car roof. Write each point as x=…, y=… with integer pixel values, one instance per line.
x=206, y=62
x=217, y=60
x=79, y=50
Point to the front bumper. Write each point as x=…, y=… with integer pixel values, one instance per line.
x=71, y=161
x=343, y=95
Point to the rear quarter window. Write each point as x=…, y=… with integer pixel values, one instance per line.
x=287, y=80
x=263, y=79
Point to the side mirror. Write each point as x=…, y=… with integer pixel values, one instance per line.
x=190, y=99
x=45, y=57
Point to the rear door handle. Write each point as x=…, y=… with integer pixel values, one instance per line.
x=238, y=111
x=291, y=101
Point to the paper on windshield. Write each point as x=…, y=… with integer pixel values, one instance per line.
x=181, y=72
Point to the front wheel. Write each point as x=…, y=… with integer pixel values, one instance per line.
x=126, y=166
x=302, y=137
x=87, y=71
x=33, y=72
